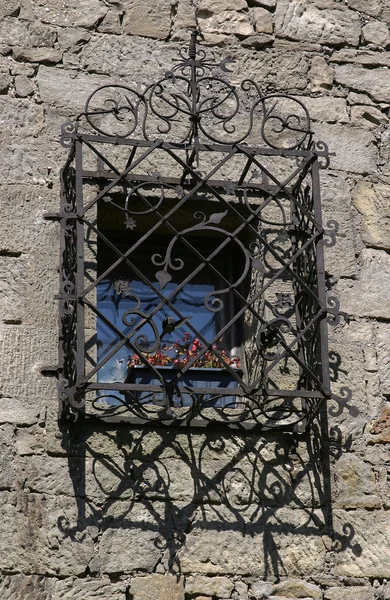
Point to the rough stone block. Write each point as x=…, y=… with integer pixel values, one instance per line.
x=263, y=20
x=26, y=587
x=20, y=118
x=79, y=13
x=86, y=589
x=23, y=86
x=19, y=411
x=44, y=535
x=296, y=588
x=226, y=22
x=37, y=55
x=14, y=32
x=150, y=20
x=372, y=8
x=163, y=587
x=12, y=280
x=340, y=259
x=321, y=75
x=135, y=529
x=365, y=297
x=355, y=485
x=361, y=57
x=349, y=593
x=355, y=148
x=368, y=117
x=221, y=587
x=327, y=109
x=30, y=440
x=57, y=88
x=278, y=537
x=383, y=350
x=376, y=32
x=362, y=548
x=218, y=6
x=372, y=200
x=375, y=83
x=7, y=457
x=31, y=349
x=320, y=21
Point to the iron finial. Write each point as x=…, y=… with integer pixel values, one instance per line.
x=192, y=48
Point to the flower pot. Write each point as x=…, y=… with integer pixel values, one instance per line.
x=207, y=382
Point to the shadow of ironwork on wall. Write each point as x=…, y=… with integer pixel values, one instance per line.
x=182, y=502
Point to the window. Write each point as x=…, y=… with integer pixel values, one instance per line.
x=183, y=323
x=191, y=232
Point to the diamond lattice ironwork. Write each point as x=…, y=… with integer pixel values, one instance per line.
x=192, y=279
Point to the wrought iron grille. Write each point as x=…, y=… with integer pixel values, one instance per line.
x=192, y=273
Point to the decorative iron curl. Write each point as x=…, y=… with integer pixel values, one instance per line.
x=343, y=403
x=209, y=107
x=68, y=130
x=332, y=232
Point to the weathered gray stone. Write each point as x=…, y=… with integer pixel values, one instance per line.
x=260, y=589
x=218, y=6
x=56, y=87
x=376, y=32
x=373, y=202
x=296, y=588
x=86, y=589
x=111, y=22
x=7, y=457
x=44, y=535
x=8, y=9
x=270, y=4
x=361, y=57
x=225, y=22
x=30, y=440
x=263, y=20
x=355, y=484
x=72, y=37
x=242, y=589
x=23, y=86
x=185, y=19
x=38, y=55
x=368, y=117
x=149, y=20
x=321, y=74
x=221, y=587
x=26, y=587
x=79, y=13
x=19, y=119
x=383, y=348
x=365, y=296
x=14, y=32
x=163, y=587
x=257, y=41
x=135, y=530
x=374, y=83
x=349, y=593
x=362, y=546
x=356, y=98
x=355, y=148
x=19, y=411
x=326, y=109
x=322, y=21
x=372, y=8
x=208, y=553
x=5, y=82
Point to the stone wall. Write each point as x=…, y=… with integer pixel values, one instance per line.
x=131, y=514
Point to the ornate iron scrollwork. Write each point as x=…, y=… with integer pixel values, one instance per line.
x=192, y=276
